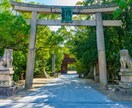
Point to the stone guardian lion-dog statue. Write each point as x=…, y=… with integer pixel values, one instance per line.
x=7, y=59
x=125, y=60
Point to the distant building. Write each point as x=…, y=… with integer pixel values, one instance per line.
x=67, y=60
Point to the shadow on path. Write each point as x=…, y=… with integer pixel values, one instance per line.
x=67, y=91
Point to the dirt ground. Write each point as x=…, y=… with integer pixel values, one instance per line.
x=21, y=92
x=117, y=95
x=111, y=92
x=39, y=82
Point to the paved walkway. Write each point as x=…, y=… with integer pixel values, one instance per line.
x=67, y=91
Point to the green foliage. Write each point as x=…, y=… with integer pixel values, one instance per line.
x=14, y=34
x=19, y=64
x=12, y=30
x=5, y=6
x=81, y=41
x=84, y=48
x=47, y=44
x=123, y=5
x=116, y=38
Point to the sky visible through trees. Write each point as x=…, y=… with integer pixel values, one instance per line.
x=55, y=2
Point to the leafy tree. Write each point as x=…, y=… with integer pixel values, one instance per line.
x=116, y=38
x=14, y=34
x=80, y=41
x=47, y=44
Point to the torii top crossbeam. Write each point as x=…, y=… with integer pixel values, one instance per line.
x=47, y=9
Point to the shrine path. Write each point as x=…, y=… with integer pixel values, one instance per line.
x=67, y=91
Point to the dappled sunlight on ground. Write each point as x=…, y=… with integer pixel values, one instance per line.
x=71, y=72
x=67, y=91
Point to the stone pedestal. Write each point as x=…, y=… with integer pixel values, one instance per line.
x=7, y=86
x=126, y=79
x=6, y=77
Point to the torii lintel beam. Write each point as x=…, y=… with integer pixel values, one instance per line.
x=79, y=23
x=49, y=9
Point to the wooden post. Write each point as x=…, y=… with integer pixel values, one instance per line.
x=101, y=50
x=53, y=63
x=31, y=52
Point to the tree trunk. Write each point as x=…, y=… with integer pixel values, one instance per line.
x=45, y=73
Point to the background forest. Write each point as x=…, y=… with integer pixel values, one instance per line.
x=80, y=41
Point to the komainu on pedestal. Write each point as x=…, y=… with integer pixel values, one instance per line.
x=7, y=86
x=125, y=70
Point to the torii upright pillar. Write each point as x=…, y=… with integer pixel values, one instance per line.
x=101, y=50
x=31, y=52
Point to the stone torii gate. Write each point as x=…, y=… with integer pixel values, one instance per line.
x=98, y=23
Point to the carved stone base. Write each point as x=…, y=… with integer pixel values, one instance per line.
x=123, y=90
x=126, y=79
x=6, y=83
x=6, y=71
x=6, y=77
x=127, y=85
x=126, y=76
x=8, y=91
x=125, y=70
